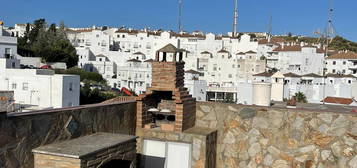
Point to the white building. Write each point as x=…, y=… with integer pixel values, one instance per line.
x=342, y=63
x=219, y=69
x=135, y=75
x=36, y=87
x=19, y=30
x=196, y=87
x=291, y=56
x=285, y=86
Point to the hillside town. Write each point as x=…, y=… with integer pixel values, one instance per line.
x=219, y=68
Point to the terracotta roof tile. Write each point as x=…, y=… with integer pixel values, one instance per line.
x=169, y=49
x=139, y=53
x=348, y=55
x=340, y=76
x=250, y=52
x=288, y=48
x=292, y=75
x=265, y=74
x=312, y=75
x=338, y=100
x=222, y=51
x=149, y=60
x=205, y=52
x=272, y=40
x=133, y=60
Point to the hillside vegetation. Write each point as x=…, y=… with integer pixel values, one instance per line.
x=338, y=43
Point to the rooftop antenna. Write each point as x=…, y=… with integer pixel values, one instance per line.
x=235, y=18
x=330, y=29
x=270, y=27
x=330, y=34
x=180, y=16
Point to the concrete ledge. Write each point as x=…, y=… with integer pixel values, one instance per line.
x=14, y=114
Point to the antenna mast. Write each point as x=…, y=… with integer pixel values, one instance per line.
x=270, y=27
x=180, y=16
x=235, y=18
x=330, y=34
x=330, y=29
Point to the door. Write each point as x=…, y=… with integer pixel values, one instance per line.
x=178, y=155
x=160, y=154
x=154, y=153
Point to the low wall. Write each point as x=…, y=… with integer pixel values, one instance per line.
x=250, y=136
x=22, y=132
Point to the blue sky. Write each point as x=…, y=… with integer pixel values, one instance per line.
x=297, y=16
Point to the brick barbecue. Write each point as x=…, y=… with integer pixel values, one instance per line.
x=167, y=95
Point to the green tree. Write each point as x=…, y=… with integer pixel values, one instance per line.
x=50, y=44
x=300, y=97
x=84, y=75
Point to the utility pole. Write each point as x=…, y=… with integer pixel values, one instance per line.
x=330, y=34
x=180, y=29
x=235, y=18
x=270, y=28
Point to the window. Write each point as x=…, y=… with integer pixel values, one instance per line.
x=349, y=81
x=71, y=86
x=7, y=53
x=222, y=56
x=100, y=59
x=97, y=35
x=123, y=36
x=333, y=71
x=215, y=67
x=334, y=63
x=344, y=62
x=229, y=75
x=25, y=86
x=14, y=85
x=343, y=71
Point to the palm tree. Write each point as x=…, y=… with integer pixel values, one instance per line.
x=300, y=97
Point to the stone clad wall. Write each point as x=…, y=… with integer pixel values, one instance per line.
x=250, y=137
x=22, y=132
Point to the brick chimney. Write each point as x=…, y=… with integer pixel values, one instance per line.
x=167, y=98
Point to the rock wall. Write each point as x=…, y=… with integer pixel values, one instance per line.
x=259, y=137
x=22, y=132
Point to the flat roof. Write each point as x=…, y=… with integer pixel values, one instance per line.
x=84, y=146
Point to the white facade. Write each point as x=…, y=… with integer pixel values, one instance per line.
x=134, y=75
x=19, y=30
x=35, y=87
x=196, y=87
x=342, y=63
x=290, y=56
x=219, y=69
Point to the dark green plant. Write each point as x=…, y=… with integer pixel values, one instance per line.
x=300, y=97
x=50, y=44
